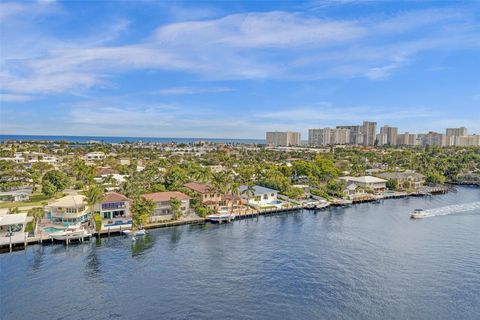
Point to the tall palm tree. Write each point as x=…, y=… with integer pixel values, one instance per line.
x=37, y=214
x=249, y=192
x=234, y=190
x=175, y=206
x=93, y=196
x=219, y=182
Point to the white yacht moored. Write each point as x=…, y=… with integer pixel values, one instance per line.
x=221, y=217
x=135, y=233
x=71, y=233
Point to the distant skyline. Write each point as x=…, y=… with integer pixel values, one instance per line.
x=228, y=69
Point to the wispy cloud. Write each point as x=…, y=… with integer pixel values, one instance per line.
x=15, y=97
x=191, y=90
x=258, y=45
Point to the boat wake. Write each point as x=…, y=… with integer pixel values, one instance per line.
x=451, y=209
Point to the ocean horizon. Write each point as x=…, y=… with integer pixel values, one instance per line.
x=107, y=139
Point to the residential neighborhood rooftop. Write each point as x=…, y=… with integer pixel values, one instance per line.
x=165, y=196
x=198, y=187
x=363, y=179
x=113, y=197
x=15, y=218
x=69, y=201
x=258, y=190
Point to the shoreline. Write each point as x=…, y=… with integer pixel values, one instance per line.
x=47, y=240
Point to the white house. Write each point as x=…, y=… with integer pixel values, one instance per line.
x=70, y=209
x=16, y=195
x=367, y=182
x=260, y=195
x=95, y=156
x=12, y=228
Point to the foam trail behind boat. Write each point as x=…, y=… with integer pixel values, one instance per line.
x=457, y=208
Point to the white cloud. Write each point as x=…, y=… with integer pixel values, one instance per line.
x=15, y=97
x=262, y=45
x=260, y=30
x=192, y=90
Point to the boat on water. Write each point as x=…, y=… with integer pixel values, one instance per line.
x=71, y=233
x=136, y=233
x=221, y=217
x=417, y=214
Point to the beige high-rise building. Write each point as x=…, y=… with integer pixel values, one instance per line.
x=319, y=137
x=388, y=135
x=433, y=139
x=369, y=130
x=327, y=136
x=407, y=139
x=283, y=138
x=457, y=132
x=355, y=133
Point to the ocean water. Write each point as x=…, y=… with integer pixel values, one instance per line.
x=84, y=139
x=368, y=261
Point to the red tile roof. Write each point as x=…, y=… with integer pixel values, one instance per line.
x=165, y=196
x=104, y=171
x=198, y=187
x=209, y=202
x=113, y=197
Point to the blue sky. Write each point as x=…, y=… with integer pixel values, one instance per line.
x=236, y=69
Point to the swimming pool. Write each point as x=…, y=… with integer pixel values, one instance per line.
x=51, y=229
x=275, y=202
x=118, y=223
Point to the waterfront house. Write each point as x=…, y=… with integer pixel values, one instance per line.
x=367, y=182
x=163, y=210
x=211, y=199
x=12, y=228
x=405, y=180
x=71, y=209
x=114, y=206
x=16, y=195
x=261, y=196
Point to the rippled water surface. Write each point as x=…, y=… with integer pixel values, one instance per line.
x=368, y=261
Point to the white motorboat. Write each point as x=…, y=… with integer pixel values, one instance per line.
x=136, y=233
x=417, y=214
x=71, y=233
x=221, y=217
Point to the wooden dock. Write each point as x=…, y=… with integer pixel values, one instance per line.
x=249, y=214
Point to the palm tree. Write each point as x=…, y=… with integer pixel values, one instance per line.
x=110, y=181
x=37, y=214
x=141, y=209
x=93, y=196
x=175, y=205
x=234, y=190
x=249, y=192
x=219, y=182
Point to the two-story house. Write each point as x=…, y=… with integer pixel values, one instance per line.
x=163, y=210
x=212, y=199
x=71, y=209
x=405, y=180
x=114, y=206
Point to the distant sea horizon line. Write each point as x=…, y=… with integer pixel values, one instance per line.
x=120, y=139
